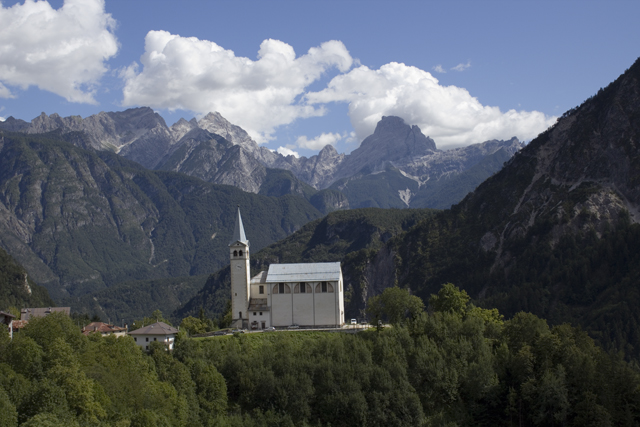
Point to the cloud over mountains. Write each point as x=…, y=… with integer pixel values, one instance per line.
x=201, y=76
x=67, y=52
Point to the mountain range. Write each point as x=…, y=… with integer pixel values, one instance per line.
x=397, y=166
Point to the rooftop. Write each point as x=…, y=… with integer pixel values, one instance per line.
x=304, y=272
x=158, y=328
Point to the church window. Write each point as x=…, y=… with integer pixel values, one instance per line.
x=281, y=288
x=235, y=253
x=261, y=289
x=302, y=288
x=324, y=287
x=240, y=314
x=240, y=253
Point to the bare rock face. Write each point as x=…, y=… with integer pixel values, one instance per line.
x=215, y=123
x=393, y=140
x=203, y=148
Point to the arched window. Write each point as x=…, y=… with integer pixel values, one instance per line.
x=235, y=253
x=302, y=288
x=240, y=253
x=324, y=287
x=281, y=288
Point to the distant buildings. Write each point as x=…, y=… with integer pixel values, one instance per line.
x=30, y=313
x=104, y=329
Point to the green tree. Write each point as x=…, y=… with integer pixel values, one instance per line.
x=450, y=298
x=193, y=325
x=8, y=413
x=394, y=305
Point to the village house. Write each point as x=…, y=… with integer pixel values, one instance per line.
x=158, y=331
x=304, y=294
x=104, y=329
x=31, y=313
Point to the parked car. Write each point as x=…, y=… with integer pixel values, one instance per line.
x=294, y=326
x=354, y=322
x=216, y=333
x=269, y=329
x=238, y=331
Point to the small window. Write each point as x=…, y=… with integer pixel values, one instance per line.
x=235, y=253
x=261, y=289
x=135, y=339
x=147, y=348
x=254, y=313
x=155, y=339
x=324, y=287
x=147, y=339
x=240, y=253
x=260, y=313
x=281, y=288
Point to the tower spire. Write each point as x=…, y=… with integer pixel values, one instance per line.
x=238, y=232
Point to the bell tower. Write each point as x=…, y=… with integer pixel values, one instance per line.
x=240, y=277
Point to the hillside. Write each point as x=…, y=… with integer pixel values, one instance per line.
x=555, y=232
x=80, y=220
x=347, y=236
x=16, y=287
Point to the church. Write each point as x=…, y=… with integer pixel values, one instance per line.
x=305, y=294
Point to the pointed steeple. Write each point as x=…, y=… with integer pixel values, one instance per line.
x=238, y=232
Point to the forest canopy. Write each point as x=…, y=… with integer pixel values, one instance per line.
x=456, y=365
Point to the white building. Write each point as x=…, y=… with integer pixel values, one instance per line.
x=158, y=331
x=308, y=295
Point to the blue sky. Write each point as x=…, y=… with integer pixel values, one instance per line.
x=300, y=74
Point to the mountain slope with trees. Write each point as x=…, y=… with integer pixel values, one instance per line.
x=80, y=220
x=554, y=232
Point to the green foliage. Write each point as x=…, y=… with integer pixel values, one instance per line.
x=8, y=413
x=443, y=368
x=450, y=299
x=395, y=305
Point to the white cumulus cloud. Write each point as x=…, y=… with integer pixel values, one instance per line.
x=201, y=76
x=438, y=69
x=448, y=114
x=61, y=51
x=319, y=142
x=287, y=152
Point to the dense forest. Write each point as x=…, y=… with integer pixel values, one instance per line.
x=456, y=365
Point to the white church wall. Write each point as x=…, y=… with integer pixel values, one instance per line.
x=303, y=309
x=281, y=307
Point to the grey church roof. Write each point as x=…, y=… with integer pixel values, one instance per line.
x=238, y=231
x=307, y=272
